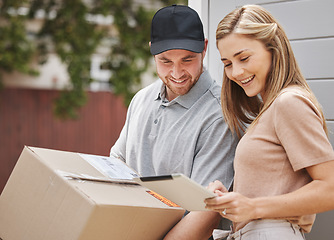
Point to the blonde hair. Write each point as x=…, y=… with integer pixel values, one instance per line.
x=257, y=23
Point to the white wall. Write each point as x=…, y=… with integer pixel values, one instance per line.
x=52, y=75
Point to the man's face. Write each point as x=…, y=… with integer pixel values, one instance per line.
x=179, y=69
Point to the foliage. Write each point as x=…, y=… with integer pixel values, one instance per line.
x=67, y=32
x=16, y=50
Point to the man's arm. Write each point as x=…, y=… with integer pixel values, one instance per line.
x=195, y=226
x=214, y=161
x=119, y=148
x=214, y=155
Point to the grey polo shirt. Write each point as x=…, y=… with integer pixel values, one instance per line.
x=187, y=135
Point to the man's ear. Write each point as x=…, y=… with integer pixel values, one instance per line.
x=205, y=47
x=149, y=43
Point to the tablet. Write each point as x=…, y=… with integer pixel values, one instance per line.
x=179, y=189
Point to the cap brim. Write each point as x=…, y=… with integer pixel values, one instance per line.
x=185, y=44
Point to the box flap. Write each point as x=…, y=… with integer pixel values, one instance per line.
x=39, y=203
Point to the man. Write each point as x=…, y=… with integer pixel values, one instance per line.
x=175, y=125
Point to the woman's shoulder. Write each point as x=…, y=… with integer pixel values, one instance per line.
x=292, y=92
x=295, y=99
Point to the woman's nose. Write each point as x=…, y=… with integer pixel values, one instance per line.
x=237, y=71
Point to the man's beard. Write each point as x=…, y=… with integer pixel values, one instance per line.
x=175, y=90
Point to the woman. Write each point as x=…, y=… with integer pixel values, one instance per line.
x=284, y=163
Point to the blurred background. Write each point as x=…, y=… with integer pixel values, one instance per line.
x=68, y=70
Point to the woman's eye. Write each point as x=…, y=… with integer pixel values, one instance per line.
x=244, y=59
x=227, y=65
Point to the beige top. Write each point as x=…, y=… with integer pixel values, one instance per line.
x=271, y=158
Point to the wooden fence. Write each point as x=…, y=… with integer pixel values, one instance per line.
x=26, y=118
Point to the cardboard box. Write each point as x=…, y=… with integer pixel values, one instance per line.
x=38, y=203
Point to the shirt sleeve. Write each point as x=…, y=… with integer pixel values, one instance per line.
x=298, y=126
x=119, y=148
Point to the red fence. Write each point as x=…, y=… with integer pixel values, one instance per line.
x=26, y=118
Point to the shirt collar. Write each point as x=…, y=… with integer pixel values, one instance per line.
x=197, y=91
x=162, y=92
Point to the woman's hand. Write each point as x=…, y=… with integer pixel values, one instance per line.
x=231, y=205
x=217, y=185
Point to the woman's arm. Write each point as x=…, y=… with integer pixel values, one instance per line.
x=316, y=196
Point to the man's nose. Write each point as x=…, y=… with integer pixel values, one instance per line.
x=177, y=71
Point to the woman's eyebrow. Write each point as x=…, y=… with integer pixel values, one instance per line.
x=236, y=54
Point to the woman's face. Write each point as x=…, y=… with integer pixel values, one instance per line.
x=246, y=62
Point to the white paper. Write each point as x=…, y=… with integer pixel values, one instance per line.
x=110, y=166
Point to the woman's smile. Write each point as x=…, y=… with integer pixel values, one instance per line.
x=247, y=80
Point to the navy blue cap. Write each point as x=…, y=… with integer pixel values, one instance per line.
x=176, y=27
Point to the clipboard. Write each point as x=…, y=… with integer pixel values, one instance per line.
x=179, y=189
